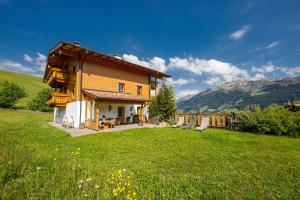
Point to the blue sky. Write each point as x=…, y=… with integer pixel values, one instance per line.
x=200, y=43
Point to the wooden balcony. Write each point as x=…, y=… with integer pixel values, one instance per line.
x=57, y=77
x=58, y=99
x=153, y=85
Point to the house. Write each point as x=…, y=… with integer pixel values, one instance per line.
x=90, y=87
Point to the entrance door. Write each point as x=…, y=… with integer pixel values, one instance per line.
x=121, y=114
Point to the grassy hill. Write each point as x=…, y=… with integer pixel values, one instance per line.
x=31, y=84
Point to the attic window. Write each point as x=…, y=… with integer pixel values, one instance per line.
x=139, y=90
x=121, y=87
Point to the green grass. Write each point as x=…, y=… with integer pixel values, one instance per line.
x=31, y=84
x=165, y=163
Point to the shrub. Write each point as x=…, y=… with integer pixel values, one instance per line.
x=10, y=93
x=275, y=120
x=282, y=121
x=253, y=119
x=39, y=103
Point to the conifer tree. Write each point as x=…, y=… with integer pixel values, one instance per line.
x=166, y=102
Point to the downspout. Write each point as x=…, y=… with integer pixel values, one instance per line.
x=80, y=91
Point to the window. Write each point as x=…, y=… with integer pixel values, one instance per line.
x=121, y=87
x=139, y=90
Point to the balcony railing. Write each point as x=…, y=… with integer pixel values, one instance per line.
x=58, y=99
x=57, y=77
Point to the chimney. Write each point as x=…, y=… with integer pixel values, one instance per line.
x=76, y=43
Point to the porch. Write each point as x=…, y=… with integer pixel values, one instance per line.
x=108, y=110
x=75, y=132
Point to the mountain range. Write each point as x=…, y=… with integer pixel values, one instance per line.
x=241, y=93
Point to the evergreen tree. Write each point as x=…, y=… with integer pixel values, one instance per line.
x=166, y=102
x=153, y=107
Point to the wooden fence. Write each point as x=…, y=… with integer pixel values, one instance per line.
x=221, y=120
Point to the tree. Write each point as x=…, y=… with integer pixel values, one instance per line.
x=40, y=101
x=10, y=93
x=153, y=107
x=166, y=102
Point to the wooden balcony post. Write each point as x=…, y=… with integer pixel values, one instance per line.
x=97, y=115
x=85, y=116
x=91, y=107
x=155, y=86
x=141, y=123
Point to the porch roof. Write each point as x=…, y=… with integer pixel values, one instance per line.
x=114, y=96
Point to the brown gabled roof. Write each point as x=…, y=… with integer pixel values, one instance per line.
x=114, y=96
x=64, y=50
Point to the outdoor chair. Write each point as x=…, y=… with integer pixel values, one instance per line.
x=68, y=122
x=179, y=122
x=190, y=124
x=204, y=124
x=112, y=123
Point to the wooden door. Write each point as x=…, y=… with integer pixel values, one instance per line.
x=121, y=114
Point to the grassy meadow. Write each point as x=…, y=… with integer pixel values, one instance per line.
x=38, y=161
x=31, y=84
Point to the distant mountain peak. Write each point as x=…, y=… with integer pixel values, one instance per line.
x=239, y=93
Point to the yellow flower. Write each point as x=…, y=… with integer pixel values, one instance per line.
x=89, y=179
x=119, y=171
x=134, y=193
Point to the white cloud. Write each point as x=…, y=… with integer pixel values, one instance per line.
x=214, y=67
x=213, y=81
x=39, y=62
x=27, y=58
x=186, y=92
x=272, y=45
x=14, y=66
x=258, y=76
x=291, y=71
x=155, y=63
x=269, y=46
x=36, y=64
x=240, y=33
x=179, y=82
x=268, y=68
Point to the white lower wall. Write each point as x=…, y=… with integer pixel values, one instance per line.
x=72, y=111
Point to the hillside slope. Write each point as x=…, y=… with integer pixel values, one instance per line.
x=241, y=93
x=31, y=84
